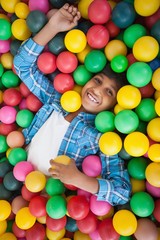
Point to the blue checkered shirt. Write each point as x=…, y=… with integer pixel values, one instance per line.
x=81, y=138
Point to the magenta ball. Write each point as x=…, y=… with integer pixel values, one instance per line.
x=22, y=104
x=97, y=36
x=99, y=208
x=21, y=169
x=8, y=114
x=42, y=5
x=4, y=46
x=92, y=166
x=66, y=62
x=95, y=235
x=154, y=191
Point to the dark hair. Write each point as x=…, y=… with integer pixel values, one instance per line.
x=120, y=78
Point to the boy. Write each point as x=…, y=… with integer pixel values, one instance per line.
x=54, y=131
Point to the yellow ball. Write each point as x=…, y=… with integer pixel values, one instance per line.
x=153, y=129
x=1, y=96
x=20, y=29
x=75, y=40
x=51, y=235
x=145, y=49
x=81, y=55
x=137, y=185
x=110, y=143
x=83, y=7
x=22, y=10
x=5, y=210
x=3, y=226
x=124, y=222
x=128, y=97
x=78, y=235
x=9, y=5
x=157, y=106
x=147, y=7
x=35, y=181
x=71, y=101
x=42, y=219
x=153, y=174
x=7, y=60
x=3, y=16
x=63, y=159
x=118, y=108
x=154, y=152
x=136, y=144
x=156, y=94
x=8, y=236
x=115, y=47
x=24, y=219
x=156, y=79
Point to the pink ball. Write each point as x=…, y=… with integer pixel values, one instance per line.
x=95, y=235
x=92, y=166
x=84, y=193
x=4, y=46
x=8, y=114
x=42, y=5
x=154, y=191
x=23, y=104
x=21, y=170
x=97, y=36
x=99, y=208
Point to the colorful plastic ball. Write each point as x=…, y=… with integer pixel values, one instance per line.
x=24, y=219
x=56, y=45
x=155, y=79
x=8, y=114
x=83, y=6
x=5, y=209
x=55, y=235
x=136, y=144
x=17, y=203
x=128, y=97
x=78, y=207
x=82, y=55
x=7, y=60
x=22, y=10
x=35, y=181
x=5, y=129
x=154, y=191
x=22, y=169
x=63, y=82
x=4, y=193
x=95, y=61
x=46, y=62
x=17, y=155
x=11, y=183
x=153, y=152
x=155, y=31
x=56, y=207
x=112, y=29
x=97, y=36
x=20, y=29
x=12, y=97
x=3, y=144
x=4, y=46
x=54, y=187
x=3, y=226
x=146, y=109
x=153, y=174
x=92, y=166
x=33, y=103
x=153, y=129
x=99, y=208
x=139, y=74
x=66, y=62
x=15, y=139
x=19, y=233
x=9, y=6
x=157, y=106
x=24, y=118
x=145, y=49
x=88, y=224
x=104, y=121
x=10, y=79
x=99, y=11
x=28, y=195
x=147, y=91
x=123, y=14
x=81, y=75
x=56, y=224
x=37, y=206
x=146, y=228
x=115, y=47
x=110, y=143
x=42, y=5
x=137, y=185
x=8, y=236
x=152, y=19
x=142, y=204
x=24, y=90
x=75, y=40
x=119, y=63
x=136, y=167
x=106, y=229
x=146, y=9
x=70, y=101
x=5, y=27
x=37, y=231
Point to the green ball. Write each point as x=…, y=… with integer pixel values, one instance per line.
x=3, y=144
x=104, y=121
x=155, y=30
x=10, y=79
x=133, y=33
x=56, y=45
x=56, y=207
x=5, y=194
x=137, y=167
x=119, y=63
x=124, y=155
x=11, y=183
x=81, y=75
x=14, y=46
x=126, y=121
x=36, y=20
x=139, y=74
x=17, y=155
x=54, y=187
x=24, y=118
x=142, y=204
x=95, y=61
x=5, y=167
x=146, y=109
x=1, y=69
x=142, y=127
x=125, y=238
x=5, y=29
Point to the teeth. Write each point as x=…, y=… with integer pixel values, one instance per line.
x=92, y=98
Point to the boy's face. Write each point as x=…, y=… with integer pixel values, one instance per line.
x=99, y=94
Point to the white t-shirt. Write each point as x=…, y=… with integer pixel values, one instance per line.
x=46, y=142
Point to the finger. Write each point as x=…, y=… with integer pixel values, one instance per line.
x=66, y=6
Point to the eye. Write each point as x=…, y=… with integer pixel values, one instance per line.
x=109, y=92
x=97, y=80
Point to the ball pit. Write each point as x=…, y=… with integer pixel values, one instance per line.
x=126, y=34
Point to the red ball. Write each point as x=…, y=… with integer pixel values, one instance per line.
x=88, y=224
x=24, y=89
x=147, y=91
x=12, y=97
x=156, y=211
x=107, y=231
x=37, y=232
x=152, y=19
x=99, y=11
x=28, y=195
x=78, y=207
x=67, y=62
x=47, y=62
x=112, y=29
x=97, y=36
x=63, y=82
x=18, y=232
x=33, y=103
x=5, y=129
x=37, y=206
x=131, y=59
x=56, y=224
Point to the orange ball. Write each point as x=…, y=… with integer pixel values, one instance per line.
x=15, y=139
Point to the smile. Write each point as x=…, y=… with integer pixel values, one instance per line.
x=92, y=98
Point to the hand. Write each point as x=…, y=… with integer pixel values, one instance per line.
x=64, y=18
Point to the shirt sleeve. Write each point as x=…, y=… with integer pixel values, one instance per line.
x=26, y=68
x=114, y=186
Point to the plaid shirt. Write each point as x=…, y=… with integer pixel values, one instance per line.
x=81, y=138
